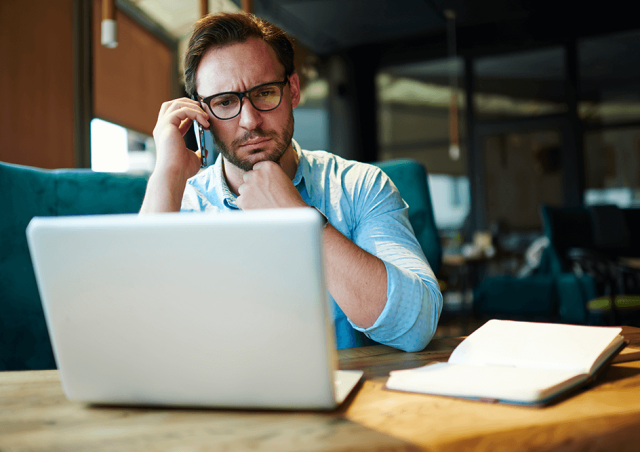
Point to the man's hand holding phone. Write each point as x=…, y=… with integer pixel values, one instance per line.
x=174, y=120
x=175, y=163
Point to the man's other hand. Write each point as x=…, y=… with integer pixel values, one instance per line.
x=267, y=186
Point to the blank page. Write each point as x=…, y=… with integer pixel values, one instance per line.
x=492, y=382
x=536, y=345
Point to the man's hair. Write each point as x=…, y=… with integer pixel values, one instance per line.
x=222, y=29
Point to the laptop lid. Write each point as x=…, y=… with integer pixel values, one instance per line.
x=219, y=310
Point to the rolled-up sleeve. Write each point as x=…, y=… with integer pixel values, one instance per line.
x=414, y=302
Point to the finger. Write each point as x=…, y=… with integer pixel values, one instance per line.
x=163, y=110
x=199, y=154
x=240, y=202
x=172, y=104
x=176, y=117
x=264, y=164
x=183, y=108
x=241, y=189
x=246, y=176
x=185, y=103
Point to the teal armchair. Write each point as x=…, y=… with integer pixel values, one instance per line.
x=26, y=192
x=553, y=293
x=410, y=177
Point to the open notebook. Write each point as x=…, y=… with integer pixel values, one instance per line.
x=516, y=362
x=213, y=310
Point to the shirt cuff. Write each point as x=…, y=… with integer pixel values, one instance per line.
x=405, y=297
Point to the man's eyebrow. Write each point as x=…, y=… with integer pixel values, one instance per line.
x=283, y=78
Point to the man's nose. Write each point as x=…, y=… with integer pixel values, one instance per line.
x=250, y=117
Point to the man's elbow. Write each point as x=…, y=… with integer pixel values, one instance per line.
x=424, y=328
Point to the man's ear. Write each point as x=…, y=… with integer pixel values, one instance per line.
x=294, y=84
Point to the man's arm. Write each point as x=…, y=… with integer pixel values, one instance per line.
x=355, y=278
x=174, y=162
x=379, y=275
x=413, y=299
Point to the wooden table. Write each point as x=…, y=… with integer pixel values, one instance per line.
x=35, y=416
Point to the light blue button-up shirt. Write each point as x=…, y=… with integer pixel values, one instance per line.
x=363, y=204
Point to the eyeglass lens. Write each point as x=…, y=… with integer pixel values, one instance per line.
x=263, y=98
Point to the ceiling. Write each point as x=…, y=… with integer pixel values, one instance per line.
x=178, y=16
x=397, y=32
x=332, y=26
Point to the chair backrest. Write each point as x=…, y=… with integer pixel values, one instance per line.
x=610, y=231
x=566, y=227
x=632, y=220
x=410, y=177
x=26, y=192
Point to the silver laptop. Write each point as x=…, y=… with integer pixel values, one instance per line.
x=201, y=310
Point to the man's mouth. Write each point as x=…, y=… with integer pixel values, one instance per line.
x=255, y=141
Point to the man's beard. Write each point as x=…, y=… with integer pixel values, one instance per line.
x=282, y=142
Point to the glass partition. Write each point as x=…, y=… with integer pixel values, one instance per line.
x=609, y=78
x=522, y=84
x=523, y=170
x=418, y=104
x=612, y=167
x=414, y=114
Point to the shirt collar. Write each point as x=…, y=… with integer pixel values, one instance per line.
x=303, y=173
x=300, y=175
x=228, y=198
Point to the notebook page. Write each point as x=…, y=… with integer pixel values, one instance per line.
x=490, y=382
x=534, y=345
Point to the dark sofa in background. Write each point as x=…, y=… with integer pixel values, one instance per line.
x=595, y=239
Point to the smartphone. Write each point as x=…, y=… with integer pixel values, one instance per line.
x=200, y=139
x=199, y=131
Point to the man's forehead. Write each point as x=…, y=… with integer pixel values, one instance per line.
x=236, y=66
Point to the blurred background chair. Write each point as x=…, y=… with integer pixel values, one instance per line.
x=589, y=273
x=566, y=229
x=410, y=177
x=552, y=291
x=608, y=258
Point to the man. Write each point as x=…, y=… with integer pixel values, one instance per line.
x=240, y=68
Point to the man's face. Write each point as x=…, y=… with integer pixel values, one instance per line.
x=253, y=135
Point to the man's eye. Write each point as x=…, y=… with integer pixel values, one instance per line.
x=266, y=92
x=225, y=102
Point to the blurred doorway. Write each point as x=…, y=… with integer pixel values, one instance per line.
x=524, y=164
x=523, y=171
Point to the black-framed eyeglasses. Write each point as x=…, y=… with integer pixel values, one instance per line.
x=265, y=97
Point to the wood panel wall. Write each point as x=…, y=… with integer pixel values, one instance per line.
x=130, y=82
x=36, y=83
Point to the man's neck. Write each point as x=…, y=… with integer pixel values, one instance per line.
x=233, y=174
